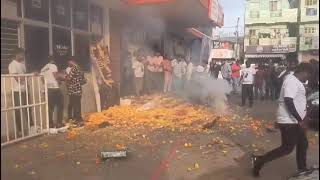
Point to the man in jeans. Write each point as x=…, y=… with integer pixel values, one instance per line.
x=247, y=77
x=55, y=97
x=290, y=116
x=17, y=66
x=74, y=81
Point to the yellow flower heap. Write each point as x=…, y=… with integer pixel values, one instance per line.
x=166, y=113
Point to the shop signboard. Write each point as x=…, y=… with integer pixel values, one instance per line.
x=222, y=45
x=221, y=54
x=80, y=14
x=267, y=49
x=213, y=10
x=60, y=10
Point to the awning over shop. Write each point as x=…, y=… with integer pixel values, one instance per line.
x=282, y=56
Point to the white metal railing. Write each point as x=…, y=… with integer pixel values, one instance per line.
x=24, y=107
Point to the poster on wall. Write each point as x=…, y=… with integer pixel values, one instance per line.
x=96, y=19
x=37, y=10
x=60, y=11
x=80, y=14
x=61, y=40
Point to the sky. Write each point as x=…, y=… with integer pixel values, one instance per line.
x=232, y=10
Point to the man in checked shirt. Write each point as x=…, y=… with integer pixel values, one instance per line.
x=75, y=79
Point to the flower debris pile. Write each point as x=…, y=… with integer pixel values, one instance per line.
x=161, y=112
x=156, y=112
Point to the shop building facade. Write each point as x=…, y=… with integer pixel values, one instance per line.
x=69, y=27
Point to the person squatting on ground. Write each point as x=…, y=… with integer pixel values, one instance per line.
x=75, y=79
x=290, y=120
x=55, y=96
x=247, y=78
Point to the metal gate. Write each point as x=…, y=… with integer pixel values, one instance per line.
x=24, y=107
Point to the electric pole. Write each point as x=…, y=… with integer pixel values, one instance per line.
x=237, y=36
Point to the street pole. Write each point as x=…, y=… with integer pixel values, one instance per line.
x=298, y=29
x=237, y=36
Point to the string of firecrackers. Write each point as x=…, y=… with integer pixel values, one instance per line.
x=101, y=56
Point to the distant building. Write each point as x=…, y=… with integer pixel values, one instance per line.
x=309, y=30
x=270, y=30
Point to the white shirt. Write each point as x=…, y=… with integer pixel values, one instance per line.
x=47, y=71
x=189, y=71
x=179, y=68
x=292, y=88
x=16, y=67
x=248, y=75
x=138, y=68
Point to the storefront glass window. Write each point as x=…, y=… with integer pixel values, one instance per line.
x=61, y=46
x=80, y=14
x=81, y=49
x=60, y=12
x=37, y=10
x=96, y=19
x=37, y=47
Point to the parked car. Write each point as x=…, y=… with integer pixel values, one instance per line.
x=313, y=110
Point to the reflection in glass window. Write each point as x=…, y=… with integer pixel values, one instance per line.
x=60, y=11
x=80, y=14
x=37, y=10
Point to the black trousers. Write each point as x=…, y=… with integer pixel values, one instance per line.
x=291, y=135
x=247, y=92
x=55, y=99
x=18, y=112
x=74, y=108
x=270, y=90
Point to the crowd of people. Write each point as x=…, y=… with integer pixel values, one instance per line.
x=74, y=78
x=152, y=72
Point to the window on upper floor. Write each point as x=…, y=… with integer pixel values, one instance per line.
x=311, y=11
x=252, y=32
x=254, y=14
x=309, y=30
x=311, y=2
x=273, y=5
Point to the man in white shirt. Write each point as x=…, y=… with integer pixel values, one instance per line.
x=247, y=77
x=290, y=120
x=138, y=68
x=55, y=97
x=18, y=67
x=179, y=70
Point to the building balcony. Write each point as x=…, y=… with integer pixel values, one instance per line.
x=268, y=17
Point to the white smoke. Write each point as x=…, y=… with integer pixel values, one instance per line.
x=209, y=91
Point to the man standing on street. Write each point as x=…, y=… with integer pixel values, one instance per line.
x=18, y=67
x=75, y=80
x=138, y=68
x=235, y=76
x=226, y=72
x=247, y=78
x=55, y=97
x=290, y=116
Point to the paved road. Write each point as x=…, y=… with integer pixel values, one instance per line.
x=55, y=158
